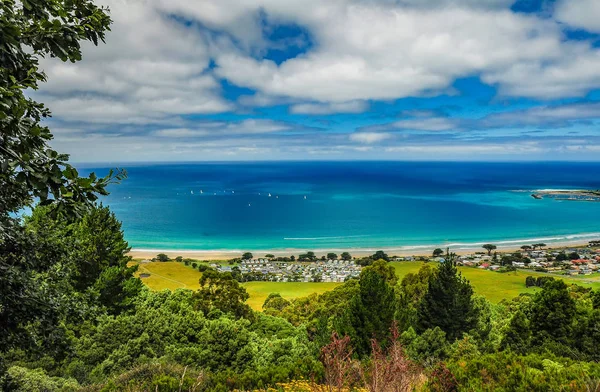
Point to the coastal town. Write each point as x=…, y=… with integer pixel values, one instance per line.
x=562, y=261
x=281, y=271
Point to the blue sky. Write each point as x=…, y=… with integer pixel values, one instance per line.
x=182, y=80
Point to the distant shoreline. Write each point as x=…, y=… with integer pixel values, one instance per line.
x=355, y=252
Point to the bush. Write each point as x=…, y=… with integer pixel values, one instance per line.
x=36, y=380
x=154, y=376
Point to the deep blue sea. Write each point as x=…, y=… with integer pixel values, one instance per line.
x=346, y=205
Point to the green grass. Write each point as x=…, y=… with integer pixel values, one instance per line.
x=493, y=285
x=172, y=276
x=259, y=291
x=497, y=286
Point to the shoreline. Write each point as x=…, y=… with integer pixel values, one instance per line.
x=419, y=250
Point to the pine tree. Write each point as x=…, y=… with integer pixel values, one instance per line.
x=448, y=303
x=371, y=312
x=518, y=335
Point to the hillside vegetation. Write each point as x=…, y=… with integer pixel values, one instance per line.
x=75, y=317
x=493, y=286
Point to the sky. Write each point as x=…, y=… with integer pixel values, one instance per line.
x=226, y=80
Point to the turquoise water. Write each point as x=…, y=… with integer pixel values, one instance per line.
x=347, y=205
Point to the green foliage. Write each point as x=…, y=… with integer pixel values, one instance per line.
x=91, y=252
x=346, y=256
x=247, y=256
x=370, y=312
x=162, y=257
x=552, y=313
x=380, y=255
x=411, y=290
x=438, y=252
x=448, y=303
x=539, y=281
x=220, y=291
x=332, y=256
x=308, y=256
x=385, y=270
x=30, y=171
x=36, y=380
x=275, y=301
x=426, y=348
x=489, y=248
x=507, y=371
x=518, y=334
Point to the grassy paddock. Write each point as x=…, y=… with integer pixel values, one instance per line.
x=493, y=285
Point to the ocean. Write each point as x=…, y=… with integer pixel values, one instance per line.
x=348, y=205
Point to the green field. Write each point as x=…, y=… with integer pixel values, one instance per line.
x=259, y=291
x=493, y=285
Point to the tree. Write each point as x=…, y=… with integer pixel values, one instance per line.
x=308, y=256
x=93, y=251
x=526, y=247
x=162, y=257
x=438, y=252
x=275, y=301
x=247, y=256
x=346, y=256
x=370, y=312
x=221, y=291
x=380, y=255
x=292, y=258
x=385, y=270
x=518, y=334
x=332, y=256
x=179, y=259
x=489, y=248
x=530, y=281
x=269, y=256
x=552, y=312
x=562, y=256
x=574, y=256
x=412, y=289
x=29, y=170
x=448, y=303
x=541, y=245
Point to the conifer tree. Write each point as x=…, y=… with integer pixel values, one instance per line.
x=518, y=334
x=371, y=312
x=448, y=303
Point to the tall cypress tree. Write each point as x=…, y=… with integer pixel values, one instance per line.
x=448, y=303
x=370, y=312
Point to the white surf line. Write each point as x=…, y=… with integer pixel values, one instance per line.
x=164, y=277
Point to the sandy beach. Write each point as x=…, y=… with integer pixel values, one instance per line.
x=357, y=252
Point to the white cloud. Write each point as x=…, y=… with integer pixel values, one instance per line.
x=427, y=124
x=584, y=14
x=574, y=74
x=463, y=150
x=245, y=127
x=151, y=68
x=369, y=137
x=155, y=70
x=382, y=50
x=557, y=115
x=329, y=108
